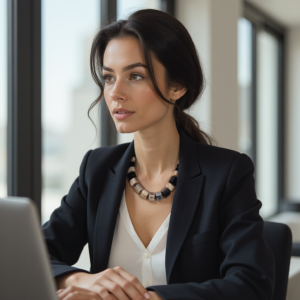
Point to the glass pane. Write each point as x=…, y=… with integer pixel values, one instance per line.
x=245, y=85
x=68, y=89
x=267, y=122
x=124, y=9
x=3, y=96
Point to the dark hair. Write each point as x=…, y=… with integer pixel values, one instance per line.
x=172, y=45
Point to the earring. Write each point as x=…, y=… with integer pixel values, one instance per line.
x=174, y=96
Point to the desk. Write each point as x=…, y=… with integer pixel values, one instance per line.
x=293, y=291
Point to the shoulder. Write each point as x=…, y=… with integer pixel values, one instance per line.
x=215, y=159
x=101, y=158
x=229, y=173
x=107, y=155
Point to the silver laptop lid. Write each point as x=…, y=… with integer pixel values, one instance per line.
x=25, y=271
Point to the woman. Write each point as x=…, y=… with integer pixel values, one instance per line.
x=168, y=216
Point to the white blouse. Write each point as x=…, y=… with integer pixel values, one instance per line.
x=128, y=251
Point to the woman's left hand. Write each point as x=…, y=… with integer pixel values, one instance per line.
x=77, y=293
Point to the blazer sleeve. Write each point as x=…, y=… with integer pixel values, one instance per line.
x=66, y=231
x=248, y=269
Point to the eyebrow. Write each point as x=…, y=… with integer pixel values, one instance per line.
x=139, y=64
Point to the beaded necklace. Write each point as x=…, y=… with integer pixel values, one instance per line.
x=142, y=192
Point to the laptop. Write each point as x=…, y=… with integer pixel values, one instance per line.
x=25, y=271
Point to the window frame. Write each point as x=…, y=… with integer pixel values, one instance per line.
x=24, y=133
x=261, y=21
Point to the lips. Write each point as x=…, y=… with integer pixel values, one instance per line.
x=122, y=113
x=117, y=110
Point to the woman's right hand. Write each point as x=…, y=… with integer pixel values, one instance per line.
x=123, y=285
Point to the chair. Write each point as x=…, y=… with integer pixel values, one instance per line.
x=279, y=238
x=296, y=249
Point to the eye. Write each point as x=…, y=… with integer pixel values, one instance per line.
x=107, y=78
x=136, y=77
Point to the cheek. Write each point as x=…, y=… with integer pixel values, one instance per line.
x=145, y=94
x=147, y=100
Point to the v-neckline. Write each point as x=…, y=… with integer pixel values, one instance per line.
x=160, y=233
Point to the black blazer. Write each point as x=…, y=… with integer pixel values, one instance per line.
x=215, y=245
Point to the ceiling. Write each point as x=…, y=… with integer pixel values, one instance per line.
x=287, y=12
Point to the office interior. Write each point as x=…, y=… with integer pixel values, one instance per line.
x=250, y=52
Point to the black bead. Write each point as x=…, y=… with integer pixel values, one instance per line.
x=165, y=192
x=173, y=180
x=177, y=167
x=131, y=175
x=132, y=164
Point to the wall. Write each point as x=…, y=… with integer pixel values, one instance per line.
x=213, y=25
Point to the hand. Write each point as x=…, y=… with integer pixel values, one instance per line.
x=77, y=293
x=121, y=284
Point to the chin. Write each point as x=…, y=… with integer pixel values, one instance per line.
x=124, y=128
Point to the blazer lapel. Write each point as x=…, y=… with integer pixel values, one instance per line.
x=186, y=198
x=108, y=209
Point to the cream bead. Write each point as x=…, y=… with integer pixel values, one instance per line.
x=170, y=186
x=138, y=188
x=133, y=181
x=144, y=194
x=131, y=169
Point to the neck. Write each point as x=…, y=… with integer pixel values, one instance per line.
x=157, y=151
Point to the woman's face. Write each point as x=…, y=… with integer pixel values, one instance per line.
x=128, y=86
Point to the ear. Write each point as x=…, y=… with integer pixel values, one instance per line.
x=176, y=91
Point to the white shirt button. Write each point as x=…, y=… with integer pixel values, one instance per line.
x=146, y=255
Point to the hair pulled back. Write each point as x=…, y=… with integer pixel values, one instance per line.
x=170, y=42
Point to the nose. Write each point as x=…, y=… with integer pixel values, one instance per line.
x=118, y=92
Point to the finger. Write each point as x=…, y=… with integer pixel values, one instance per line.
x=137, y=284
x=138, y=288
x=82, y=296
x=69, y=290
x=77, y=293
x=102, y=291
x=112, y=296
x=109, y=285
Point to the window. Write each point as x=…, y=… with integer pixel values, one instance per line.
x=3, y=97
x=68, y=89
x=126, y=7
x=267, y=121
x=245, y=83
x=261, y=98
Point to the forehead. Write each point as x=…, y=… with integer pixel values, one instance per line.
x=123, y=51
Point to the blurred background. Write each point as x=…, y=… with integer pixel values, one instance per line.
x=250, y=51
